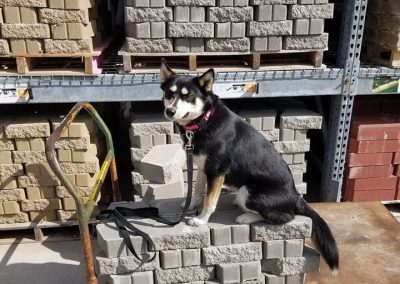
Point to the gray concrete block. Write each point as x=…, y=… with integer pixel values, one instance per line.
x=321, y=1
x=141, y=15
x=137, y=178
x=256, y=122
x=228, y=273
x=250, y=271
x=301, y=188
x=222, y=30
x=263, y=13
x=274, y=43
x=299, y=158
x=232, y=253
x=288, y=158
x=143, y=277
x=142, y=141
x=163, y=164
x=286, y=135
x=110, y=241
x=157, y=3
x=309, y=262
x=259, y=43
x=298, y=168
x=180, y=45
x=292, y=146
x=191, y=257
x=120, y=279
x=316, y=26
x=157, y=30
x=240, y=234
x=191, y=3
x=268, y=120
x=279, y=12
x=311, y=11
x=149, y=125
x=301, y=26
x=273, y=249
x=220, y=234
x=298, y=228
x=224, y=3
x=141, y=189
x=230, y=14
x=156, y=191
x=300, y=119
x=228, y=45
x=182, y=14
x=148, y=45
x=170, y=259
x=197, y=14
x=274, y=279
x=138, y=30
x=160, y=139
x=191, y=30
x=269, y=28
x=125, y=264
x=197, y=45
x=306, y=2
x=295, y=279
x=264, y=2
x=272, y=134
x=238, y=30
x=294, y=248
x=300, y=134
x=185, y=275
x=241, y=3
x=138, y=3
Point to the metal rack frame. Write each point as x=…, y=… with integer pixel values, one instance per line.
x=342, y=83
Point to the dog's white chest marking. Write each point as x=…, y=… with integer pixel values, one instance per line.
x=200, y=161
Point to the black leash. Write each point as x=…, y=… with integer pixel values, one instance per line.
x=119, y=214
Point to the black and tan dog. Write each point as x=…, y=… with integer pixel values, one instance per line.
x=230, y=152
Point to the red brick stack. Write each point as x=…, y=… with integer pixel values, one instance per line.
x=373, y=159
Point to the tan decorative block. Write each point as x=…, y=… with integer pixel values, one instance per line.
x=79, y=4
x=69, y=203
x=59, y=32
x=22, y=31
x=42, y=174
x=37, y=144
x=41, y=204
x=84, y=156
x=17, y=194
x=78, y=129
x=33, y=193
x=33, y=128
x=7, y=145
x=11, y=15
x=64, y=155
x=5, y=157
x=85, y=179
x=23, y=3
x=29, y=157
x=33, y=181
x=62, y=192
x=68, y=46
x=22, y=144
x=20, y=217
x=8, y=170
x=56, y=122
x=28, y=15
x=56, y=4
x=71, y=178
x=11, y=207
x=47, y=192
x=8, y=183
x=18, y=46
x=90, y=167
x=81, y=143
x=65, y=215
x=47, y=215
x=56, y=16
x=34, y=46
x=1, y=209
x=4, y=50
x=2, y=21
x=79, y=31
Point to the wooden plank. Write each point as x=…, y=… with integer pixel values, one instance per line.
x=255, y=61
x=127, y=62
x=192, y=62
x=316, y=58
x=89, y=67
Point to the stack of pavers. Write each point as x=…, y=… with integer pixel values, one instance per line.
x=150, y=135
x=29, y=190
x=382, y=32
x=220, y=252
x=373, y=160
x=32, y=27
x=158, y=26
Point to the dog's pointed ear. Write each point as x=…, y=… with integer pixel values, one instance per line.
x=206, y=81
x=165, y=71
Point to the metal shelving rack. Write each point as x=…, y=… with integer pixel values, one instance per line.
x=343, y=83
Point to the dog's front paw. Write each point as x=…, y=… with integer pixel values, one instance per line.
x=249, y=218
x=196, y=222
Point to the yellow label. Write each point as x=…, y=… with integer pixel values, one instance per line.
x=250, y=88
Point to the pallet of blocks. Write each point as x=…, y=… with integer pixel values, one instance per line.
x=60, y=37
x=382, y=28
x=159, y=161
x=248, y=33
x=220, y=252
x=29, y=190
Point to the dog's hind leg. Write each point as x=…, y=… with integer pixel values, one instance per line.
x=250, y=216
x=214, y=186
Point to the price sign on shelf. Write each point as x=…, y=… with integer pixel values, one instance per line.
x=14, y=95
x=236, y=90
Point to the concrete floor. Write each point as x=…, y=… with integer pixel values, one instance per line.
x=367, y=235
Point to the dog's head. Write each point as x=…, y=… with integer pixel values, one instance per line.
x=185, y=97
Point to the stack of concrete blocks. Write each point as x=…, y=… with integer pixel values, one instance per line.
x=225, y=25
x=35, y=27
x=220, y=252
x=289, y=136
x=29, y=190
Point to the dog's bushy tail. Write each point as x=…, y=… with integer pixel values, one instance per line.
x=322, y=235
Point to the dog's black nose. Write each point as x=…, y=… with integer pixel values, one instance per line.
x=170, y=111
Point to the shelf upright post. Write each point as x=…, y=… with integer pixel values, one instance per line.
x=342, y=105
